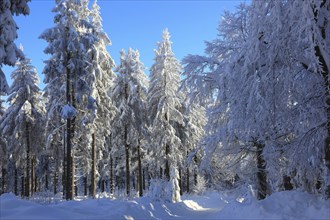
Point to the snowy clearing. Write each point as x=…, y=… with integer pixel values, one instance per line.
x=212, y=205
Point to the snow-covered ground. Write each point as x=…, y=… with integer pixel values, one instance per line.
x=211, y=205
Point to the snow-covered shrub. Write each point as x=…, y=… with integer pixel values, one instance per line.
x=200, y=186
x=160, y=190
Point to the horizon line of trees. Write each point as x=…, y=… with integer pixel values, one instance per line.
x=253, y=110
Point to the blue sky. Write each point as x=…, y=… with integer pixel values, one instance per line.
x=135, y=24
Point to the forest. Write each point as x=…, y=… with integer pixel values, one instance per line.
x=253, y=110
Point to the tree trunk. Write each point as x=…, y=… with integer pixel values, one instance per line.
x=85, y=186
x=27, y=182
x=128, y=186
x=188, y=180
x=167, y=165
x=287, y=183
x=140, y=171
x=180, y=181
x=32, y=176
x=93, y=179
x=261, y=173
x=46, y=180
x=3, y=173
x=102, y=185
x=70, y=122
x=73, y=186
x=55, y=183
x=195, y=172
x=22, y=186
x=16, y=182
x=144, y=179
x=35, y=183
x=68, y=178
x=63, y=164
x=111, y=175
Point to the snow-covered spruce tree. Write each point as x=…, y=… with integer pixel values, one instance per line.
x=138, y=101
x=164, y=110
x=22, y=124
x=67, y=70
x=8, y=50
x=129, y=94
x=100, y=79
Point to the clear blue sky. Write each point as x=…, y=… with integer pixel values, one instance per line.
x=135, y=24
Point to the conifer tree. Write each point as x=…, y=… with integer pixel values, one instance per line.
x=129, y=95
x=22, y=124
x=69, y=43
x=8, y=50
x=164, y=109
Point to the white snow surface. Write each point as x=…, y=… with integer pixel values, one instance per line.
x=211, y=205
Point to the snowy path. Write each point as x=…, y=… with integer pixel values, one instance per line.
x=284, y=205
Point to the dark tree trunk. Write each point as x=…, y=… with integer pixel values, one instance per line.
x=144, y=179
x=85, y=186
x=3, y=178
x=261, y=173
x=161, y=173
x=68, y=178
x=195, y=172
x=128, y=186
x=167, y=165
x=73, y=186
x=28, y=177
x=287, y=183
x=22, y=186
x=70, y=128
x=111, y=175
x=64, y=164
x=36, y=183
x=180, y=181
x=102, y=185
x=46, y=180
x=93, y=179
x=188, y=180
x=32, y=176
x=16, y=182
x=140, y=172
x=55, y=183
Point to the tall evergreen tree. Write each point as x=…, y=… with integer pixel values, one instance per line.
x=8, y=50
x=22, y=124
x=164, y=109
x=69, y=42
x=100, y=79
x=129, y=94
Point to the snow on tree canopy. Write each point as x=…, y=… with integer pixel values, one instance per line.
x=3, y=84
x=68, y=111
